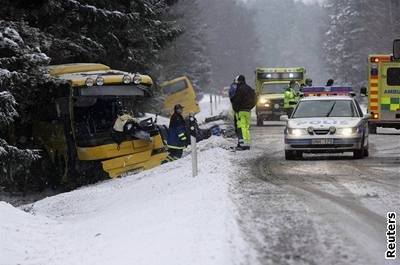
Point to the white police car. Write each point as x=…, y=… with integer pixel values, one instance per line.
x=332, y=123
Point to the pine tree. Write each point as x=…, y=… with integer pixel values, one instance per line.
x=126, y=35
x=188, y=54
x=356, y=29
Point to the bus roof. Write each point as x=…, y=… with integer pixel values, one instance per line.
x=56, y=70
x=79, y=73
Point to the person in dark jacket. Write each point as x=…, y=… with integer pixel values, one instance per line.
x=177, y=139
x=232, y=92
x=243, y=101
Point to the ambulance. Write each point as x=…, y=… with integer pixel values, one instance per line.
x=271, y=84
x=384, y=90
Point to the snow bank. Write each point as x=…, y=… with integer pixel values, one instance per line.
x=223, y=105
x=160, y=216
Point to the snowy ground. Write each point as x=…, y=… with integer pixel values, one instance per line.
x=243, y=208
x=161, y=216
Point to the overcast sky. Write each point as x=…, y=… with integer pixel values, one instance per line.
x=312, y=1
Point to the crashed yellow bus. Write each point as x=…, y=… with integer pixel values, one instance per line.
x=180, y=91
x=78, y=138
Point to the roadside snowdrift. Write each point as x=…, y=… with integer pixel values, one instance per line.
x=161, y=216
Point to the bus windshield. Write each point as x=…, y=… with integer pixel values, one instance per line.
x=274, y=88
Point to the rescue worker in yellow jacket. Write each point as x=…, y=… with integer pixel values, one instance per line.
x=243, y=101
x=290, y=94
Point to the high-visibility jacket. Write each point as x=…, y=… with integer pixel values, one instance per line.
x=177, y=138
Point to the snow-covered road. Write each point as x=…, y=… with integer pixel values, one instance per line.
x=243, y=208
x=320, y=210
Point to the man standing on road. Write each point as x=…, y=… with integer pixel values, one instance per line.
x=232, y=92
x=243, y=101
x=177, y=139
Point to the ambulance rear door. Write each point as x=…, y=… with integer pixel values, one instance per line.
x=390, y=91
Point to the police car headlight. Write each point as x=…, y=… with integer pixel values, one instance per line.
x=297, y=132
x=347, y=131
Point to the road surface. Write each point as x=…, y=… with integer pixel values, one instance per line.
x=324, y=209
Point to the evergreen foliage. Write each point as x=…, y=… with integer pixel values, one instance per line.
x=356, y=29
x=126, y=35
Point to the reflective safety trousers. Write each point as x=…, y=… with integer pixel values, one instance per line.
x=243, y=119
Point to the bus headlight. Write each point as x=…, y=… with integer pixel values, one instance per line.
x=99, y=81
x=89, y=82
x=297, y=132
x=263, y=101
x=137, y=79
x=126, y=79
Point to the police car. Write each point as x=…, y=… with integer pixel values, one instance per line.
x=326, y=120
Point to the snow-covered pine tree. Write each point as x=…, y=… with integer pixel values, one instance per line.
x=127, y=35
x=124, y=34
x=188, y=54
x=13, y=161
x=356, y=29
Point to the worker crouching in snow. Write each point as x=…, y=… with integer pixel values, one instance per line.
x=243, y=101
x=177, y=138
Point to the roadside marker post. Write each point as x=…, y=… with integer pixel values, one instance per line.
x=193, y=141
x=211, y=105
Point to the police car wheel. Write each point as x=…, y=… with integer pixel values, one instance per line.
x=372, y=129
x=260, y=121
x=290, y=155
x=366, y=151
x=360, y=153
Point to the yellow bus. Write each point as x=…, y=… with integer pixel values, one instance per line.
x=77, y=133
x=180, y=91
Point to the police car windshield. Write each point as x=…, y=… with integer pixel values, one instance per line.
x=325, y=108
x=274, y=88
